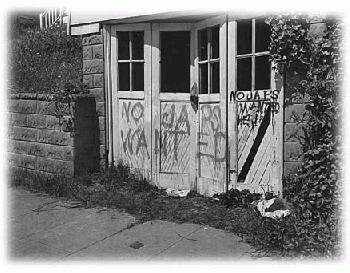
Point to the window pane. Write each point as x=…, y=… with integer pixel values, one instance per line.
x=262, y=36
x=262, y=73
x=215, y=82
x=123, y=45
x=137, y=45
x=244, y=37
x=215, y=42
x=203, y=78
x=203, y=44
x=175, y=61
x=124, y=76
x=244, y=74
x=137, y=77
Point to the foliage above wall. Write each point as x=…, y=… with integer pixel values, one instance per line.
x=45, y=61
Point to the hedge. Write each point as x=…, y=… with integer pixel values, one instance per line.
x=44, y=61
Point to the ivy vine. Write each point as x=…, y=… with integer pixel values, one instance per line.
x=314, y=191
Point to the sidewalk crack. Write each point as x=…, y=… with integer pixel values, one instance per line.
x=104, y=238
x=171, y=245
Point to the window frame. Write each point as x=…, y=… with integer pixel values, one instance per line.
x=116, y=61
x=209, y=60
x=130, y=61
x=251, y=55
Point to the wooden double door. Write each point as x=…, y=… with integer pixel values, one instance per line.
x=182, y=125
x=189, y=103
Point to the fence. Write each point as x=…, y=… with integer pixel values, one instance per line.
x=54, y=16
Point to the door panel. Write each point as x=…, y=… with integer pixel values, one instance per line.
x=255, y=124
x=131, y=109
x=175, y=133
x=174, y=118
x=212, y=139
x=212, y=142
x=134, y=145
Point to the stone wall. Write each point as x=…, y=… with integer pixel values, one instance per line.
x=93, y=77
x=295, y=114
x=41, y=142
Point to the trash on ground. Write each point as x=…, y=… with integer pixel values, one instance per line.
x=176, y=193
x=273, y=208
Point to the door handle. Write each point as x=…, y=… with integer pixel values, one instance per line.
x=194, y=97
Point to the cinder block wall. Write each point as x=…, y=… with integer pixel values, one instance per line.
x=40, y=142
x=295, y=114
x=93, y=78
x=295, y=117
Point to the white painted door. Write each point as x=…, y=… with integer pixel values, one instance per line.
x=210, y=39
x=255, y=108
x=131, y=96
x=173, y=116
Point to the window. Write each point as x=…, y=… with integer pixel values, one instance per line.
x=253, y=65
x=130, y=60
x=209, y=61
x=175, y=61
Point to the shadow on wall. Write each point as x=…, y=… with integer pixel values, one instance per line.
x=86, y=140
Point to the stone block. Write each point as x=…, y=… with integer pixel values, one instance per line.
x=292, y=151
x=18, y=119
x=295, y=113
x=19, y=147
x=97, y=51
x=293, y=132
x=37, y=121
x=55, y=166
x=100, y=108
x=102, y=137
x=102, y=155
x=36, y=149
x=22, y=160
x=98, y=93
x=43, y=121
x=52, y=122
x=87, y=52
x=55, y=137
x=51, y=151
x=93, y=66
x=102, y=151
x=46, y=108
x=317, y=30
x=102, y=123
x=88, y=81
x=98, y=80
x=290, y=168
x=59, y=152
x=92, y=39
x=23, y=133
x=22, y=106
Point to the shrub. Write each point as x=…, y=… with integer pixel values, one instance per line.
x=45, y=61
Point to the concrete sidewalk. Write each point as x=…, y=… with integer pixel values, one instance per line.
x=42, y=227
